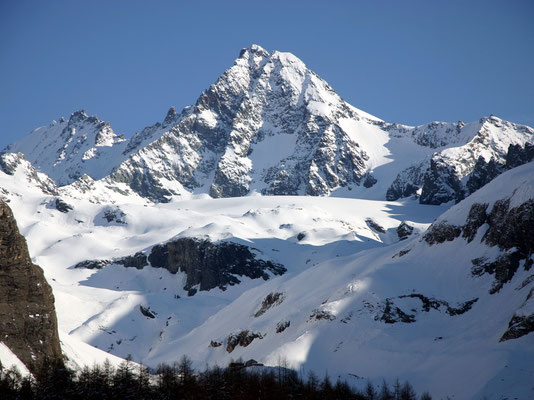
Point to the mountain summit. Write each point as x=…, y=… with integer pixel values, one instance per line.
x=272, y=126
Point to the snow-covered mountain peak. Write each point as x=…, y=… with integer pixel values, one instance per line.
x=65, y=150
x=271, y=125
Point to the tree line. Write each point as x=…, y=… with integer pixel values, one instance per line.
x=53, y=380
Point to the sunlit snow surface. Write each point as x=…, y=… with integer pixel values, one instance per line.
x=342, y=268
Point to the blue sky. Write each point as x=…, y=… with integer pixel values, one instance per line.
x=128, y=61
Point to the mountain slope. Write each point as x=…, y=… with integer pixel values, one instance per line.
x=427, y=310
x=355, y=300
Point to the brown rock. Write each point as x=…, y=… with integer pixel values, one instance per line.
x=28, y=323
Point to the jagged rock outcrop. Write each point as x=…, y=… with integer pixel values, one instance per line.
x=441, y=184
x=223, y=143
x=210, y=265
x=408, y=182
x=28, y=324
x=139, y=260
x=404, y=230
x=271, y=300
x=243, y=339
x=62, y=206
x=509, y=228
x=394, y=310
x=206, y=264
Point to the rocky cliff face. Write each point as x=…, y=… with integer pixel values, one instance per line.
x=28, y=324
x=505, y=226
x=207, y=265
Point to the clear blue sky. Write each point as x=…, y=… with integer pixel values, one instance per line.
x=128, y=61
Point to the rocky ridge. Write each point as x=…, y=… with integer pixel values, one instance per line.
x=271, y=125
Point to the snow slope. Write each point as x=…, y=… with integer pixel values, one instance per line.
x=335, y=309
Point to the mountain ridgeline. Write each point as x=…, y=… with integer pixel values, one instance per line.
x=272, y=126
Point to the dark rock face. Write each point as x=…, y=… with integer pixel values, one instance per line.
x=319, y=315
x=441, y=184
x=206, y=264
x=28, y=324
x=62, y=206
x=115, y=215
x=484, y=172
x=475, y=219
x=519, y=325
x=407, y=182
x=374, y=225
x=404, y=230
x=441, y=232
x=518, y=155
x=139, y=260
x=508, y=228
x=271, y=300
x=211, y=265
x=393, y=312
x=369, y=181
x=93, y=264
x=282, y=326
x=243, y=339
x=147, y=312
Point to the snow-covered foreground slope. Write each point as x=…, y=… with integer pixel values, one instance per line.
x=354, y=300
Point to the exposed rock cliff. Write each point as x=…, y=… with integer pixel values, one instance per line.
x=28, y=324
x=207, y=265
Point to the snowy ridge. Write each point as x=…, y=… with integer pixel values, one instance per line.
x=445, y=176
x=67, y=149
x=270, y=125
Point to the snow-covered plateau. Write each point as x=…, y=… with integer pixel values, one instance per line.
x=273, y=221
